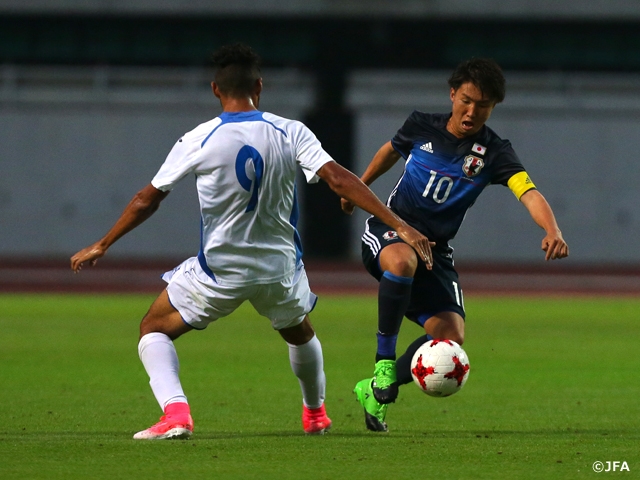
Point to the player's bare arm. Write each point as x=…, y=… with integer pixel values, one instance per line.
x=350, y=187
x=140, y=208
x=553, y=244
x=385, y=158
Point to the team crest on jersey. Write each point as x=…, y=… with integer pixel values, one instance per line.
x=390, y=235
x=472, y=165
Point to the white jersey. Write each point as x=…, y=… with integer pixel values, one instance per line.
x=245, y=168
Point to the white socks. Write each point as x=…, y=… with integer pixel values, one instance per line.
x=160, y=360
x=307, y=364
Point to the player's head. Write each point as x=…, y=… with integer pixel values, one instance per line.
x=484, y=73
x=237, y=70
x=477, y=85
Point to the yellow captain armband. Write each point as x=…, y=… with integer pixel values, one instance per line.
x=520, y=183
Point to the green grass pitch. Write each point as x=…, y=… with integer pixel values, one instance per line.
x=553, y=388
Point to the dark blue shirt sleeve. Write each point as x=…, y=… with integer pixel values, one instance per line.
x=403, y=140
x=506, y=165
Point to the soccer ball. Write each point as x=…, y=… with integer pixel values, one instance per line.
x=440, y=367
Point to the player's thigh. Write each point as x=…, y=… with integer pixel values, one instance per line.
x=198, y=298
x=162, y=317
x=449, y=325
x=287, y=303
x=383, y=250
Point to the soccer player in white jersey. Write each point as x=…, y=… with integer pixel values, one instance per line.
x=245, y=164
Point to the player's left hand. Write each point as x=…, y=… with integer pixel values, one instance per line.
x=89, y=254
x=347, y=206
x=555, y=246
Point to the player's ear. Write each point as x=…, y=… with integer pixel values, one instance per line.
x=215, y=89
x=257, y=90
x=452, y=93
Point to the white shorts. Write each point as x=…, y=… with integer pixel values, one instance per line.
x=200, y=300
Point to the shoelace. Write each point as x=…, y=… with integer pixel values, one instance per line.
x=165, y=419
x=383, y=374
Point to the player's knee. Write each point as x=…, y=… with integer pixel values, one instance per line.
x=298, y=334
x=454, y=334
x=146, y=326
x=445, y=331
x=403, y=266
x=162, y=324
x=457, y=337
x=149, y=324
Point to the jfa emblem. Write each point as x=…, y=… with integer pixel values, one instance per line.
x=472, y=165
x=390, y=235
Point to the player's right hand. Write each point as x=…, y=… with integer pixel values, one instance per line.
x=419, y=242
x=89, y=254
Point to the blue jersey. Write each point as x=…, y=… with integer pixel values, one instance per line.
x=444, y=175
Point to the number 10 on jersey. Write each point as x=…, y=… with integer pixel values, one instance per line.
x=441, y=190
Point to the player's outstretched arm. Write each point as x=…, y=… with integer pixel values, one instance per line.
x=351, y=188
x=382, y=161
x=141, y=207
x=553, y=244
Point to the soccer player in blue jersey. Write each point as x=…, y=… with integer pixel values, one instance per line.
x=450, y=158
x=244, y=162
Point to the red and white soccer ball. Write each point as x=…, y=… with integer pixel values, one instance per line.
x=440, y=368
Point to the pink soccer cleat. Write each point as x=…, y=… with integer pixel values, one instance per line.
x=315, y=420
x=176, y=423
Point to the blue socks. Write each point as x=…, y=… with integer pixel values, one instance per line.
x=394, y=295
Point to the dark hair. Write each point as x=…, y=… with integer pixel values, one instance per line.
x=484, y=73
x=237, y=69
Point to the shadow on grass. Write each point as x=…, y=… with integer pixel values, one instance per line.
x=453, y=434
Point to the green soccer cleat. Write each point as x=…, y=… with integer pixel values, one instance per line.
x=385, y=385
x=374, y=412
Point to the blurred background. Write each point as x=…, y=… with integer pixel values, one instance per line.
x=94, y=93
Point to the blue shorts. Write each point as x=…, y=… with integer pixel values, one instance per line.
x=433, y=291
